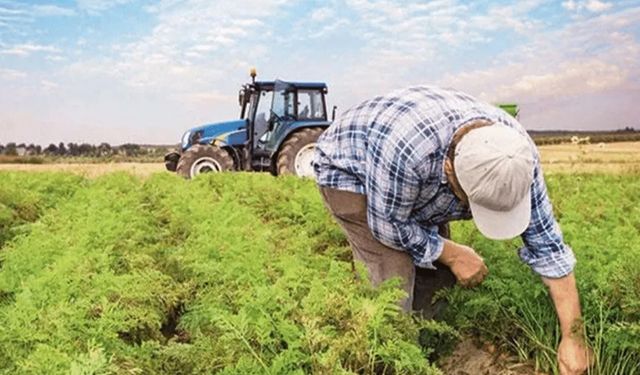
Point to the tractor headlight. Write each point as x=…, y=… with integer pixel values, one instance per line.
x=185, y=139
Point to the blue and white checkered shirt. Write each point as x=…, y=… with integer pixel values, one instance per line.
x=392, y=148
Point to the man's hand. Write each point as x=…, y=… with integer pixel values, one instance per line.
x=574, y=357
x=467, y=266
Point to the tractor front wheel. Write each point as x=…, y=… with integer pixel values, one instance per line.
x=297, y=152
x=204, y=159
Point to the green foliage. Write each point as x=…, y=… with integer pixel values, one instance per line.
x=600, y=218
x=248, y=274
x=233, y=274
x=24, y=198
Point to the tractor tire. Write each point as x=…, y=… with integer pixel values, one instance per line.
x=297, y=152
x=204, y=159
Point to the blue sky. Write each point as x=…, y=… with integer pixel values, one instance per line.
x=144, y=71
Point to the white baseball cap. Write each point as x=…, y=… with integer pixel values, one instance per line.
x=494, y=165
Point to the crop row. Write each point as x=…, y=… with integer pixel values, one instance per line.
x=245, y=273
x=24, y=197
x=600, y=219
x=226, y=274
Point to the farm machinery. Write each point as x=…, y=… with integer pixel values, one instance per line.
x=279, y=125
x=277, y=132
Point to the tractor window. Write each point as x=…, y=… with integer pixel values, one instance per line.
x=310, y=105
x=283, y=104
x=262, y=113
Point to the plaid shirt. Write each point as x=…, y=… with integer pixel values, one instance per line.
x=392, y=148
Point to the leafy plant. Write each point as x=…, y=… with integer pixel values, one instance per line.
x=244, y=273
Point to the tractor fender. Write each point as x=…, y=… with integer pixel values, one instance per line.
x=233, y=138
x=207, y=134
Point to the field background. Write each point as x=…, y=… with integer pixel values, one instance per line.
x=140, y=272
x=568, y=158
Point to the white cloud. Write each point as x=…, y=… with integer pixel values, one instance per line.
x=49, y=10
x=48, y=86
x=27, y=49
x=597, y=6
x=594, y=6
x=55, y=58
x=572, y=78
x=193, y=45
x=17, y=18
x=557, y=71
x=322, y=14
x=570, y=5
x=96, y=6
x=11, y=74
x=186, y=68
x=10, y=12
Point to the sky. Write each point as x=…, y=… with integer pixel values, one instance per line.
x=145, y=71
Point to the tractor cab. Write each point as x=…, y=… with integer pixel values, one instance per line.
x=277, y=130
x=278, y=110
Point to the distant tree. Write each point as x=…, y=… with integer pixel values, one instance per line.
x=73, y=149
x=62, y=150
x=51, y=149
x=130, y=149
x=86, y=149
x=11, y=149
x=1, y=149
x=31, y=149
x=104, y=149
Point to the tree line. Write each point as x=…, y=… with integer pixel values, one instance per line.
x=83, y=149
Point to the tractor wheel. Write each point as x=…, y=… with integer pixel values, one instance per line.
x=297, y=152
x=204, y=159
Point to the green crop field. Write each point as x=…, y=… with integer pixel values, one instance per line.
x=248, y=274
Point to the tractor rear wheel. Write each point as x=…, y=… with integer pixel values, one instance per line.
x=297, y=152
x=204, y=159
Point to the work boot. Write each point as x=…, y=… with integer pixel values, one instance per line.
x=429, y=282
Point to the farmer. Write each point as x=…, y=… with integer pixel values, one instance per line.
x=396, y=169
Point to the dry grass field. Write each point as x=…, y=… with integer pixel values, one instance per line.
x=603, y=157
x=89, y=169
x=618, y=157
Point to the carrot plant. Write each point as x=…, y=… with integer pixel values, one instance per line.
x=24, y=197
x=600, y=218
x=248, y=274
x=228, y=273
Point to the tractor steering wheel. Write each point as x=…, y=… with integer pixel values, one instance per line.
x=275, y=115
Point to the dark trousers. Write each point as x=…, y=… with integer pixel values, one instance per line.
x=382, y=262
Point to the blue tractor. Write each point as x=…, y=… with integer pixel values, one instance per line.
x=277, y=132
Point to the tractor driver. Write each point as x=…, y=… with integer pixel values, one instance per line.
x=395, y=168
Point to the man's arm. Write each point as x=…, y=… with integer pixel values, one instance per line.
x=548, y=255
x=573, y=354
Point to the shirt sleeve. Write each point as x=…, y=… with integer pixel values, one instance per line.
x=392, y=188
x=544, y=249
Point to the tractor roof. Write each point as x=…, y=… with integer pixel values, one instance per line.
x=299, y=85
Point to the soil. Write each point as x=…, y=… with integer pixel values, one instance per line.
x=470, y=359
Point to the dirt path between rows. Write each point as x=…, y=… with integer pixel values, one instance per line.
x=469, y=359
